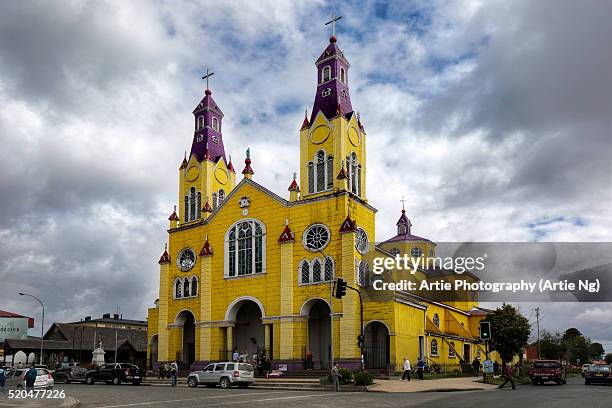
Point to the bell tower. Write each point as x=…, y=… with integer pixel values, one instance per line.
x=205, y=176
x=333, y=138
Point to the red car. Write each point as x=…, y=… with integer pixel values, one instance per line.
x=547, y=370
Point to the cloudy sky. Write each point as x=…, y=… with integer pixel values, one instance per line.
x=492, y=118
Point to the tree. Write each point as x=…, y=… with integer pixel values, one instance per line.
x=509, y=331
x=608, y=358
x=551, y=345
x=571, y=333
x=578, y=348
x=597, y=351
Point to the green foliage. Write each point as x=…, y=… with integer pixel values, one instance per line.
x=571, y=333
x=597, y=351
x=578, y=347
x=347, y=376
x=509, y=331
x=608, y=358
x=363, y=378
x=551, y=346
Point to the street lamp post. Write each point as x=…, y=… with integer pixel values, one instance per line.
x=42, y=325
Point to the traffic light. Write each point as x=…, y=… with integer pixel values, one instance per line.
x=485, y=330
x=360, y=341
x=340, y=288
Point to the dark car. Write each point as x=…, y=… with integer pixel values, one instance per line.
x=115, y=373
x=598, y=373
x=70, y=374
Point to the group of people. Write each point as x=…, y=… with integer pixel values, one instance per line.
x=420, y=368
x=30, y=378
x=169, y=371
x=260, y=362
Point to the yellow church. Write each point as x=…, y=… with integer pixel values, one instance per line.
x=246, y=270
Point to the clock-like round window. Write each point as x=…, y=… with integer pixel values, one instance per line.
x=186, y=259
x=316, y=237
x=361, y=241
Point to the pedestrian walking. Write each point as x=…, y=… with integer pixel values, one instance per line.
x=406, y=375
x=2, y=379
x=476, y=367
x=174, y=372
x=335, y=375
x=508, y=376
x=420, y=368
x=162, y=373
x=30, y=378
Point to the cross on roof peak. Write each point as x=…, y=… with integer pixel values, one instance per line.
x=403, y=200
x=207, y=77
x=333, y=23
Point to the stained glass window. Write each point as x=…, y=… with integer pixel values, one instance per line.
x=316, y=271
x=177, y=289
x=246, y=245
x=194, y=286
x=305, y=272
x=316, y=237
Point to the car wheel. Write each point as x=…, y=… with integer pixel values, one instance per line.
x=89, y=381
x=225, y=383
x=116, y=381
x=192, y=382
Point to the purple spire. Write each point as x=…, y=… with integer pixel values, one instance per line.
x=207, y=138
x=332, y=78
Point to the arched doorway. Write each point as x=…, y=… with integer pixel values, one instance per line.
x=248, y=335
x=376, y=351
x=319, y=332
x=154, y=351
x=186, y=320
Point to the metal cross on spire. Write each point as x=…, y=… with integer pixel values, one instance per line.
x=333, y=23
x=403, y=201
x=207, y=76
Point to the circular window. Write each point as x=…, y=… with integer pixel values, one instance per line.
x=361, y=241
x=316, y=237
x=416, y=252
x=186, y=259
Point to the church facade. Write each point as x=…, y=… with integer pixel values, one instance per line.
x=250, y=271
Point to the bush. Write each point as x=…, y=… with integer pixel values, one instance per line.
x=363, y=378
x=347, y=376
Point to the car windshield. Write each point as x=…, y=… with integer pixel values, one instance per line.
x=546, y=364
x=600, y=368
x=245, y=367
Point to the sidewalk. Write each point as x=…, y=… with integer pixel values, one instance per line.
x=440, y=385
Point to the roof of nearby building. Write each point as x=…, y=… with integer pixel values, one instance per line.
x=4, y=313
x=112, y=320
x=480, y=311
x=83, y=336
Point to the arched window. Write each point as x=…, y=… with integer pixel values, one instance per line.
x=215, y=124
x=362, y=273
x=194, y=286
x=434, y=347
x=214, y=201
x=342, y=75
x=326, y=74
x=330, y=172
x=305, y=271
x=199, y=205
x=186, y=287
x=177, y=289
x=200, y=122
x=186, y=212
x=329, y=269
x=321, y=173
x=354, y=173
x=221, y=196
x=192, y=204
x=436, y=320
x=316, y=271
x=245, y=248
x=416, y=252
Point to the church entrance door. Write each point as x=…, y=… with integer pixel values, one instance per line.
x=319, y=338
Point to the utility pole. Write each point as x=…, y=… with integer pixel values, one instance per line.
x=537, y=312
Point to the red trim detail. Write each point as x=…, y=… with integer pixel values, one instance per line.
x=247, y=167
x=342, y=174
x=349, y=225
x=173, y=216
x=286, y=235
x=230, y=166
x=207, y=207
x=305, y=123
x=294, y=186
x=206, y=249
x=165, y=258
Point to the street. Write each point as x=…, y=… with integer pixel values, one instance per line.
x=573, y=395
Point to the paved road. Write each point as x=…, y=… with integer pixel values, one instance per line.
x=573, y=395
